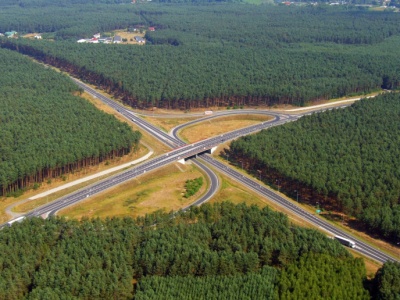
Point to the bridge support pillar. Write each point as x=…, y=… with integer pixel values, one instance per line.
x=182, y=161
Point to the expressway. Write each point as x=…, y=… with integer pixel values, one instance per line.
x=181, y=151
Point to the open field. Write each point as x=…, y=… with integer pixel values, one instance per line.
x=159, y=190
x=218, y=126
x=129, y=36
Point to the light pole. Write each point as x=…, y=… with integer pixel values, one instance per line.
x=297, y=196
x=278, y=184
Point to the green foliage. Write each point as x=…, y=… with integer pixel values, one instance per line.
x=221, y=249
x=192, y=186
x=351, y=155
x=251, y=286
x=242, y=55
x=45, y=130
x=387, y=282
x=323, y=277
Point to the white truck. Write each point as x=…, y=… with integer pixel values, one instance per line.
x=346, y=242
x=19, y=220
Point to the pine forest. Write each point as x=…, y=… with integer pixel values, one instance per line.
x=345, y=159
x=243, y=55
x=47, y=130
x=211, y=252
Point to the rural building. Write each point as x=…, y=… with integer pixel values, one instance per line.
x=93, y=41
x=117, y=39
x=10, y=34
x=38, y=37
x=96, y=36
x=152, y=28
x=139, y=39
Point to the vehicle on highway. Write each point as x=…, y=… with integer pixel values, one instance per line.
x=18, y=220
x=345, y=241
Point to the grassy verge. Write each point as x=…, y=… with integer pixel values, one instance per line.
x=162, y=189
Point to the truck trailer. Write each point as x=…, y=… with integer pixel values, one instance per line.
x=346, y=242
x=19, y=220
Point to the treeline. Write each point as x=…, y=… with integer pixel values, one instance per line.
x=208, y=252
x=46, y=131
x=346, y=160
x=243, y=55
x=167, y=76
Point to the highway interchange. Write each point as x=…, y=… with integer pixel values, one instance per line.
x=196, y=152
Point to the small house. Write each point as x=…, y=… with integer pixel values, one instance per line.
x=117, y=39
x=152, y=28
x=139, y=39
x=11, y=34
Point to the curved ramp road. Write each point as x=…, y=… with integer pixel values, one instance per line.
x=198, y=149
x=183, y=152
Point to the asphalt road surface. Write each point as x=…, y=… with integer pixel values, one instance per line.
x=182, y=151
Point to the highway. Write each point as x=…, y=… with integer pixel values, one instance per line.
x=181, y=151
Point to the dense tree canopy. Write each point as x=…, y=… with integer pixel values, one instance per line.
x=387, y=282
x=350, y=157
x=242, y=55
x=217, y=250
x=46, y=131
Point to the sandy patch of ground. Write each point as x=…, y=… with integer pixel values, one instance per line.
x=129, y=36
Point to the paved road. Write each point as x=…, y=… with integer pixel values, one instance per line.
x=192, y=150
x=183, y=151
